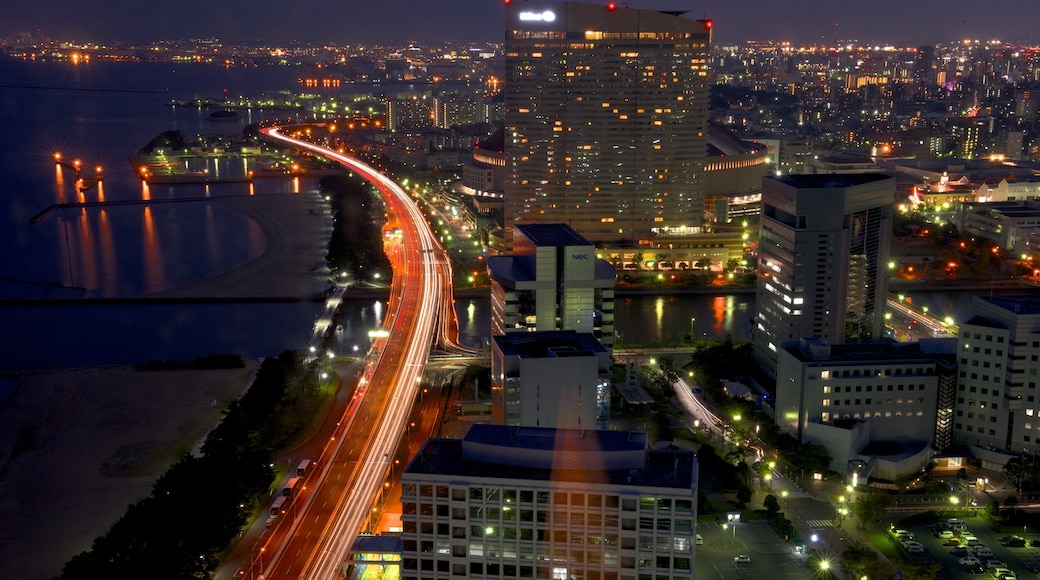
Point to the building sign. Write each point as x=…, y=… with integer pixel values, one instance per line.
x=547, y=16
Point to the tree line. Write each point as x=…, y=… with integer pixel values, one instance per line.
x=183, y=528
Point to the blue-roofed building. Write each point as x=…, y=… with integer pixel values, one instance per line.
x=526, y=502
x=552, y=281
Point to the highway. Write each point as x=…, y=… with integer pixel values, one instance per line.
x=315, y=537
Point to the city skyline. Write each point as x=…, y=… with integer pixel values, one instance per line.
x=797, y=21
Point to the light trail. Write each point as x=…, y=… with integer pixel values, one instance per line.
x=421, y=310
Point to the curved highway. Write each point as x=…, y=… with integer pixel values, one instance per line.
x=316, y=534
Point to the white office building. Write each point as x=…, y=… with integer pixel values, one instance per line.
x=847, y=397
x=552, y=281
x=522, y=502
x=555, y=379
x=998, y=403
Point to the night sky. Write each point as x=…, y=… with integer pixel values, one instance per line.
x=901, y=22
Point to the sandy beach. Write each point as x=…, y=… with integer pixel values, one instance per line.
x=78, y=446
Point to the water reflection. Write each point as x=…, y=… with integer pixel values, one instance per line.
x=87, y=258
x=651, y=319
x=153, y=263
x=108, y=255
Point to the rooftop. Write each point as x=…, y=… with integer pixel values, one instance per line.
x=814, y=350
x=828, y=181
x=565, y=455
x=557, y=235
x=1016, y=304
x=549, y=344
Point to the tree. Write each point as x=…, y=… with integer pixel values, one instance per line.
x=1011, y=504
x=920, y=571
x=872, y=505
x=862, y=561
x=772, y=505
x=744, y=494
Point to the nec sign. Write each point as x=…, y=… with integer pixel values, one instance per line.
x=546, y=16
x=579, y=256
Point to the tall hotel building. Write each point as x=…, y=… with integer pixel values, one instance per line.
x=527, y=502
x=823, y=248
x=605, y=117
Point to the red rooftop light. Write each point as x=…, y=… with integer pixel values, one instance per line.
x=612, y=6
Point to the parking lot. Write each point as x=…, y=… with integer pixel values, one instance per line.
x=770, y=556
x=1019, y=560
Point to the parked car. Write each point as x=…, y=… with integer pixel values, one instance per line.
x=968, y=561
x=742, y=559
x=997, y=572
x=971, y=541
x=945, y=534
x=951, y=542
x=959, y=551
x=700, y=540
x=1016, y=542
x=916, y=549
x=982, y=552
x=903, y=535
x=994, y=564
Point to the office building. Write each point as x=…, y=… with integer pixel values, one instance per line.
x=605, y=116
x=823, y=252
x=552, y=281
x=997, y=408
x=523, y=502
x=847, y=397
x=555, y=379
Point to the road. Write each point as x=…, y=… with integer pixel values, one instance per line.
x=315, y=537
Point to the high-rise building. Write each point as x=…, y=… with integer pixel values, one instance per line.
x=552, y=281
x=823, y=248
x=997, y=404
x=525, y=502
x=605, y=115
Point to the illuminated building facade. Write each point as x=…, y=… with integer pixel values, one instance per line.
x=846, y=396
x=552, y=281
x=525, y=502
x=605, y=116
x=997, y=408
x=823, y=251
